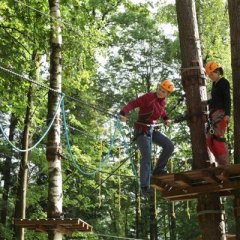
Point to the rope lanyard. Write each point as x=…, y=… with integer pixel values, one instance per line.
x=72, y=157
x=127, y=151
x=43, y=136
x=151, y=139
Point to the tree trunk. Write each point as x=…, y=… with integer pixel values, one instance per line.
x=194, y=86
x=137, y=211
x=172, y=220
x=234, y=19
x=211, y=217
x=152, y=205
x=192, y=79
x=55, y=194
x=153, y=218
x=7, y=174
x=20, y=207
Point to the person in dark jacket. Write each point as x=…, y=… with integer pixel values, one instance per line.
x=220, y=109
x=151, y=108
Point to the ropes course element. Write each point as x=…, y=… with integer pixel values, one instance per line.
x=97, y=108
x=117, y=126
x=112, y=173
x=66, y=133
x=28, y=79
x=66, y=127
x=43, y=136
x=127, y=150
x=51, y=17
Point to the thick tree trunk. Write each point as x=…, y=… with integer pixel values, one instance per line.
x=211, y=217
x=234, y=17
x=7, y=174
x=55, y=194
x=192, y=79
x=194, y=86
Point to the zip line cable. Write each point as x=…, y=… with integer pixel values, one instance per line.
x=97, y=108
x=51, y=17
x=28, y=79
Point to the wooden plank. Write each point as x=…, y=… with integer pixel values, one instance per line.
x=195, y=195
x=156, y=183
x=182, y=180
x=194, y=191
x=63, y=230
x=210, y=177
x=191, y=183
x=223, y=175
x=66, y=226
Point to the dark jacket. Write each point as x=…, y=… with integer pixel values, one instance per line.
x=220, y=96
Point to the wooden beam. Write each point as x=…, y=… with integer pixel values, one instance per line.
x=194, y=191
x=65, y=226
x=182, y=180
x=210, y=177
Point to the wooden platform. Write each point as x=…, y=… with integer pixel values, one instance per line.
x=228, y=237
x=65, y=226
x=187, y=185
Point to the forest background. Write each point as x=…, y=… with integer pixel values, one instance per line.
x=113, y=51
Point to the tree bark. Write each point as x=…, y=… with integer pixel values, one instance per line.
x=234, y=19
x=194, y=85
x=55, y=195
x=153, y=217
x=7, y=173
x=137, y=211
x=193, y=79
x=20, y=207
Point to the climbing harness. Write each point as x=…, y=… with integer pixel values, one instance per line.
x=209, y=126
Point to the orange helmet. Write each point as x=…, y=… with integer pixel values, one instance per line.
x=167, y=85
x=211, y=67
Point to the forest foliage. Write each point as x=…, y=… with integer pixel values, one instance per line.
x=113, y=51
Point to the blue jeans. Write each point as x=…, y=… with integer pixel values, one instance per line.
x=144, y=142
